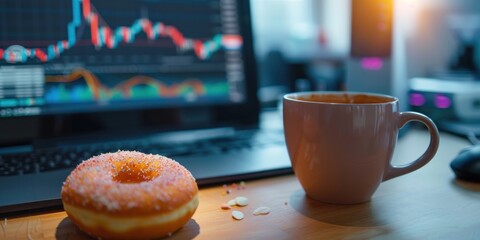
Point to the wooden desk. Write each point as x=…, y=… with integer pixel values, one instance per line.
x=427, y=204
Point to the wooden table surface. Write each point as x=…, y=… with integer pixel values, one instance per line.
x=426, y=204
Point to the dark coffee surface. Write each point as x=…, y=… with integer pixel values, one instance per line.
x=346, y=98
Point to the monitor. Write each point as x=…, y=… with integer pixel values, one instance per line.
x=78, y=67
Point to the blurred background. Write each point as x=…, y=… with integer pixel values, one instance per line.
x=300, y=43
x=426, y=52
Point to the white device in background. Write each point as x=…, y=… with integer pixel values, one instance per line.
x=446, y=99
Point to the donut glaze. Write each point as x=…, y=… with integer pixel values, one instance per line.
x=126, y=195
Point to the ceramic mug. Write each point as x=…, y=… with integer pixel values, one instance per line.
x=341, y=143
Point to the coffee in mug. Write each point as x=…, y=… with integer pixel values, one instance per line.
x=341, y=143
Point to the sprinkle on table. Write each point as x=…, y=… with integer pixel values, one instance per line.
x=225, y=206
x=237, y=215
x=228, y=189
x=261, y=211
x=232, y=202
x=241, y=201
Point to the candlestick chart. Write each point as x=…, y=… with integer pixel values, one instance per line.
x=102, y=35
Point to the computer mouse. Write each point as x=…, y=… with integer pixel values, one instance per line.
x=466, y=165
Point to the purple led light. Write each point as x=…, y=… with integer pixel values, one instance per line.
x=417, y=99
x=442, y=101
x=372, y=63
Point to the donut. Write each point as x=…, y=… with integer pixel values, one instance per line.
x=129, y=195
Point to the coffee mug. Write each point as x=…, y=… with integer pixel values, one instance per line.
x=341, y=143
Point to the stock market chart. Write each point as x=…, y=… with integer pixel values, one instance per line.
x=83, y=55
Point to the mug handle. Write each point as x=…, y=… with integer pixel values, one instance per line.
x=405, y=117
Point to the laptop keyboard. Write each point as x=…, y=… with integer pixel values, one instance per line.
x=69, y=157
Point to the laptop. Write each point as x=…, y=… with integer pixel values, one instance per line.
x=83, y=77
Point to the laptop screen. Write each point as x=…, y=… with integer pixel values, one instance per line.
x=70, y=67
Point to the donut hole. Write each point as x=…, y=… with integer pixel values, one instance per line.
x=134, y=171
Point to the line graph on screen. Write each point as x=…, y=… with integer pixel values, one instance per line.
x=82, y=85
